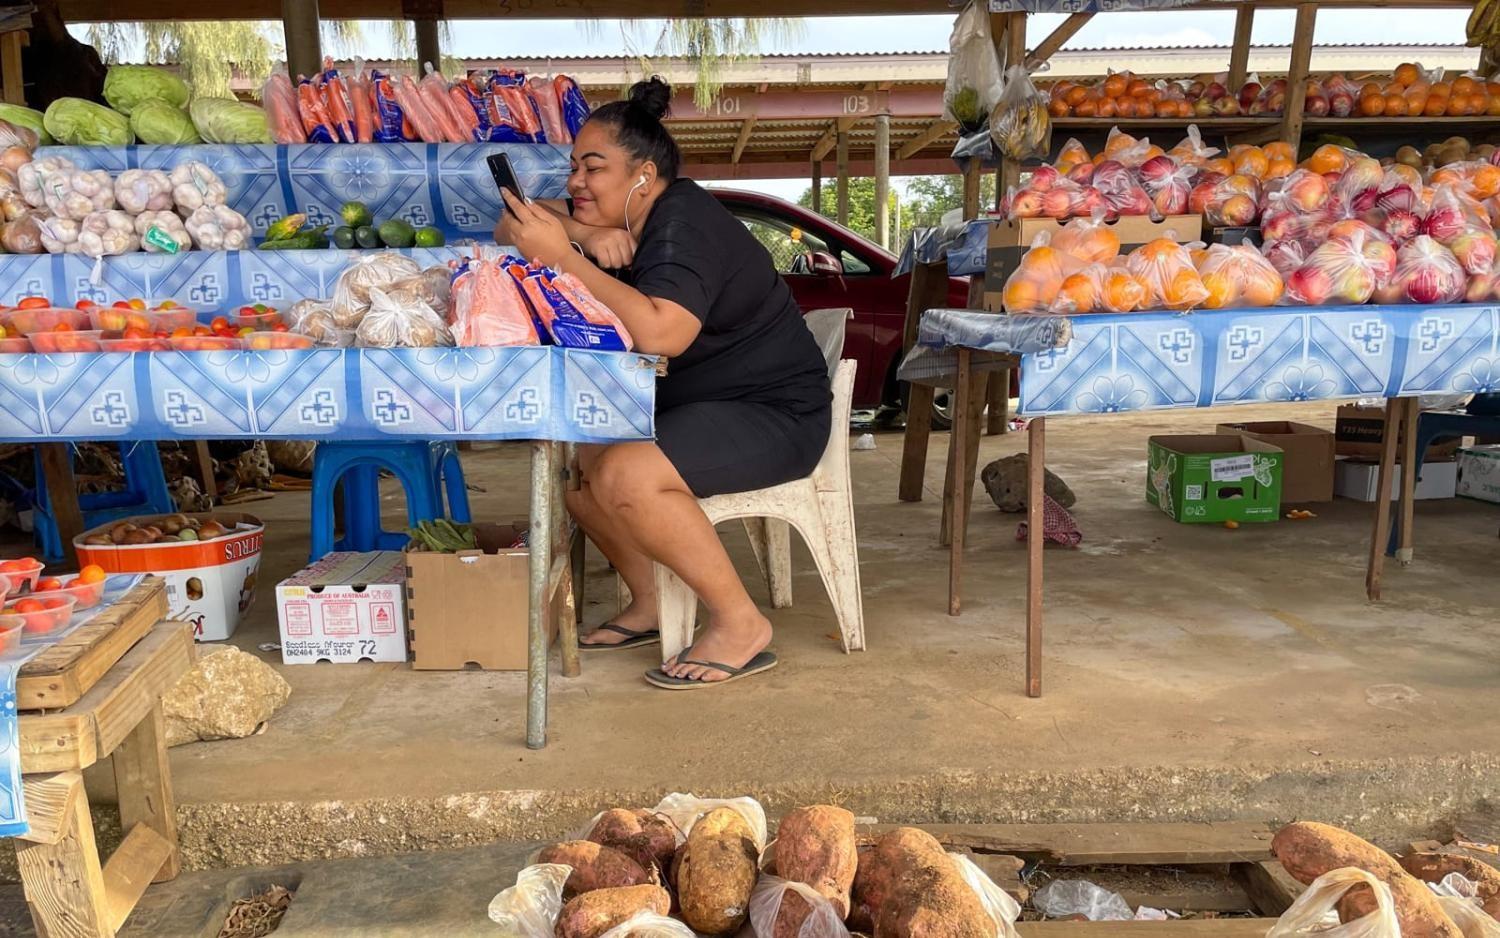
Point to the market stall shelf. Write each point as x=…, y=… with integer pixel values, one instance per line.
x=60, y=674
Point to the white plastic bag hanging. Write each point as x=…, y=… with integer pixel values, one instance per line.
x=765, y=903
x=1306, y=915
x=1472, y=920
x=649, y=925
x=530, y=908
x=683, y=810
x=1001, y=907
x=974, y=84
x=1020, y=124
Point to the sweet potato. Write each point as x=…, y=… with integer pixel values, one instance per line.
x=793, y=912
x=1432, y=867
x=816, y=846
x=594, y=913
x=1308, y=850
x=907, y=886
x=645, y=837
x=594, y=867
x=716, y=872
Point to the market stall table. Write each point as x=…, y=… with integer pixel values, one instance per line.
x=547, y=395
x=1106, y=364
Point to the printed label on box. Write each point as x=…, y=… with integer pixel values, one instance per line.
x=1193, y=493
x=340, y=619
x=1232, y=469
x=382, y=618
x=298, y=618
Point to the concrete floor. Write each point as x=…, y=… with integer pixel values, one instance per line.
x=1192, y=672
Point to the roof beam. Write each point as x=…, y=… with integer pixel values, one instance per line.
x=1059, y=37
x=786, y=103
x=926, y=138
x=781, y=168
x=93, y=11
x=831, y=136
x=746, y=129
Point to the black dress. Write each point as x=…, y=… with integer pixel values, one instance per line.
x=747, y=405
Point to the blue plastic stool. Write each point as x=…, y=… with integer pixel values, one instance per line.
x=425, y=470
x=1441, y=425
x=145, y=493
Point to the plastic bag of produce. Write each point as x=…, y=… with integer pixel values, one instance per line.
x=822, y=920
x=1129, y=150
x=1099, y=288
x=455, y=127
x=225, y=120
x=400, y=319
x=34, y=121
x=649, y=925
x=1089, y=239
x=64, y=190
x=351, y=294
x=572, y=316
x=111, y=232
x=143, y=190
x=1232, y=202
x=489, y=308
x=162, y=233
x=684, y=809
x=218, y=228
x=1020, y=124
x=974, y=82
x=434, y=286
x=1033, y=286
x=544, y=98
x=336, y=99
x=575, y=106
x=159, y=123
x=1191, y=149
x=1121, y=189
x=60, y=235
x=18, y=135
x=195, y=185
x=391, y=125
x=1348, y=267
x=1307, y=915
x=1165, y=269
x=282, y=114
x=1426, y=272
x=126, y=87
x=530, y=908
x=417, y=113
x=508, y=87
x=1451, y=213
x=1072, y=154
x=317, y=125
x=1239, y=276
x=362, y=96
x=76, y=122
x=31, y=179
x=315, y=319
x=1169, y=183
x=22, y=236
x=998, y=904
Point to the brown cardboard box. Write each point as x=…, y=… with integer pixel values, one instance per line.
x=1359, y=430
x=1012, y=238
x=1307, y=470
x=470, y=608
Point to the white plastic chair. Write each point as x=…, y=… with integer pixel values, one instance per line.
x=820, y=507
x=828, y=327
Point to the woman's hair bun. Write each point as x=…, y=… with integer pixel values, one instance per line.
x=653, y=95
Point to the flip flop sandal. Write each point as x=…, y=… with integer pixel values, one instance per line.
x=656, y=677
x=632, y=639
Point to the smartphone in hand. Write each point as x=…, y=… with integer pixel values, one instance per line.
x=505, y=175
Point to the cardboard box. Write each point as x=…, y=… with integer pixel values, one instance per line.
x=1307, y=470
x=1359, y=430
x=1012, y=238
x=209, y=583
x=1204, y=479
x=1478, y=473
x=346, y=607
x=1357, y=479
x=470, y=608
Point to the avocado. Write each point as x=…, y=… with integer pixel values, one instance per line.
x=356, y=214
x=397, y=233
x=343, y=237
x=430, y=237
x=365, y=237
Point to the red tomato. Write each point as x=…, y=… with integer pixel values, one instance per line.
x=201, y=330
x=119, y=304
x=218, y=322
x=279, y=327
x=29, y=605
x=84, y=304
x=47, y=583
x=22, y=565
x=56, y=602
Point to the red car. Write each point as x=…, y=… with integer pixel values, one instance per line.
x=829, y=266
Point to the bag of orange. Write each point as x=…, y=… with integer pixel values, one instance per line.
x=1099, y=288
x=1191, y=150
x=1165, y=269
x=1034, y=285
x=1088, y=239
x=1238, y=276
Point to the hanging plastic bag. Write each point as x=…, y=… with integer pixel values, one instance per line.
x=1165, y=269
x=401, y=319
x=1239, y=275
x=649, y=925
x=684, y=810
x=1002, y=909
x=1020, y=124
x=1427, y=273
x=530, y=908
x=819, y=919
x=974, y=83
x=1305, y=917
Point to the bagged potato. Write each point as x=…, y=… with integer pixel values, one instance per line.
x=907, y=886
x=816, y=846
x=644, y=836
x=594, y=867
x=716, y=871
x=592, y=914
x=781, y=908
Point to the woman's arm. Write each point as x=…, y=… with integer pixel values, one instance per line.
x=611, y=247
x=659, y=327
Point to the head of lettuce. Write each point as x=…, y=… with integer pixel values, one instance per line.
x=225, y=120
x=157, y=122
x=127, y=87
x=76, y=122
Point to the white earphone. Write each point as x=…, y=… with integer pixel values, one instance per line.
x=638, y=183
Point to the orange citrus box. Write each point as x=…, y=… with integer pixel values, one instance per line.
x=209, y=583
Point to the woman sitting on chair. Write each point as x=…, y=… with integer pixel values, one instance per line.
x=745, y=403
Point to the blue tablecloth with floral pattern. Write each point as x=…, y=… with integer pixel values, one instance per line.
x=965, y=250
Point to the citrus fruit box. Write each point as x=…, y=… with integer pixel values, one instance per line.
x=210, y=582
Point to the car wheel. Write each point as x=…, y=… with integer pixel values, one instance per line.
x=942, y=405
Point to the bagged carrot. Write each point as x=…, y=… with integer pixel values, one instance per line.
x=362, y=97
x=575, y=107
x=509, y=88
x=415, y=109
x=391, y=125
x=315, y=120
x=488, y=306
x=544, y=98
x=282, y=113
x=462, y=100
x=590, y=326
x=336, y=100
x=434, y=89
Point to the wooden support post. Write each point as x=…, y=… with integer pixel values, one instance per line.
x=747, y=127
x=205, y=464
x=929, y=290
x=953, y=511
x=429, y=45
x=62, y=492
x=1410, y=415
x=12, y=85
x=143, y=781
x=299, y=24
x=1239, y=52
x=997, y=403
x=843, y=181
x=883, y=179
x=1296, y=79
x=971, y=190
x=817, y=186
x=64, y=881
x=1036, y=539
x=1394, y=408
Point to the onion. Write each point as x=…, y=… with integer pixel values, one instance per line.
x=14, y=158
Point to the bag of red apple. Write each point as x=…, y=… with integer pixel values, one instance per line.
x=1426, y=273
x=1169, y=183
x=1121, y=190
x=1191, y=150
x=1450, y=213
x=1286, y=255
x=1089, y=239
x=1233, y=202
x=1348, y=268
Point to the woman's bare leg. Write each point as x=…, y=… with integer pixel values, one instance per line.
x=636, y=487
x=634, y=567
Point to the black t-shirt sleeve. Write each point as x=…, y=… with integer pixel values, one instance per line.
x=678, y=263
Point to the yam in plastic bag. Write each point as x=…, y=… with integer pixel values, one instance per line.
x=1002, y=909
x=351, y=294
x=1306, y=916
x=1033, y=286
x=1239, y=275
x=1165, y=269
x=649, y=925
x=1469, y=917
x=684, y=810
x=1020, y=124
x=974, y=82
x=400, y=319
x=819, y=918
x=530, y=908
x=1426, y=272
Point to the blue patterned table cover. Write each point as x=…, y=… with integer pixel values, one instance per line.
x=966, y=254
x=446, y=185
x=207, y=281
x=525, y=393
x=1146, y=361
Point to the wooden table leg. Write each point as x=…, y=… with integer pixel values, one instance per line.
x=543, y=477
x=62, y=493
x=63, y=880
x=997, y=417
x=1394, y=408
x=143, y=780
x=1412, y=412
x=1036, y=475
x=205, y=464
x=914, y=445
x=953, y=500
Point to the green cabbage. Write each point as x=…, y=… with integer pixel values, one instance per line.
x=225, y=120
x=160, y=123
x=76, y=122
x=25, y=117
x=126, y=87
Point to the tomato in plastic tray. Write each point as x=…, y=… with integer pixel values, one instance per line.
x=86, y=595
x=11, y=629
x=53, y=616
x=86, y=340
x=46, y=319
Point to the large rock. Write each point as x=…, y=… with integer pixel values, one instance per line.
x=228, y=694
x=1005, y=480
